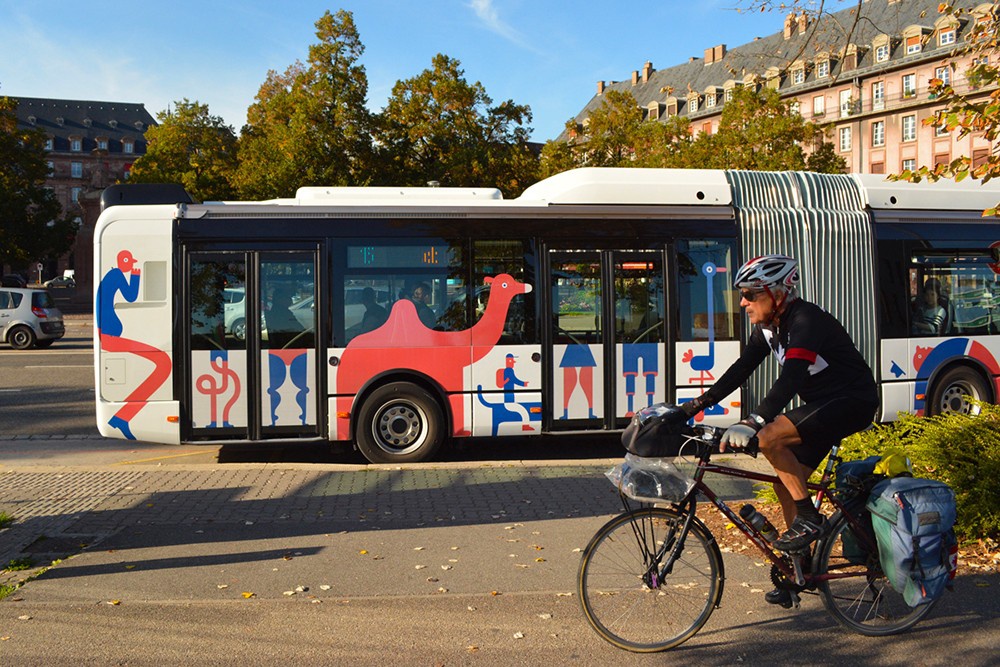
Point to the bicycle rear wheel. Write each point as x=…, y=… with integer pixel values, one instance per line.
x=861, y=598
x=619, y=588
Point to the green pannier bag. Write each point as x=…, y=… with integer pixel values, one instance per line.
x=913, y=521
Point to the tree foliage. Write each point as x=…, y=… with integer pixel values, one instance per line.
x=309, y=125
x=757, y=131
x=439, y=127
x=30, y=224
x=191, y=147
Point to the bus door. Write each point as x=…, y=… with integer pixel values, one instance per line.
x=251, y=327
x=607, y=333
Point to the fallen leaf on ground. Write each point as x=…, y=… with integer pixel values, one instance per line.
x=248, y=595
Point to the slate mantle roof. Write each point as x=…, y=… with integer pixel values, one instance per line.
x=889, y=17
x=86, y=120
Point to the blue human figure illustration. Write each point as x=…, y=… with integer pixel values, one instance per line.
x=296, y=363
x=507, y=380
x=632, y=354
x=704, y=363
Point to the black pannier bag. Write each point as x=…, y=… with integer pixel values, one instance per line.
x=657, y=431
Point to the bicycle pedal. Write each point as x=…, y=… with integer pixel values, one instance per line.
x=796, y=601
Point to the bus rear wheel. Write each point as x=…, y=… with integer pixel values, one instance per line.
x=952, y=391
x=400, y=423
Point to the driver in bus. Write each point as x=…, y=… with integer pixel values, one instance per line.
x=821, y=365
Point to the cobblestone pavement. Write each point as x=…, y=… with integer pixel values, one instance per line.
x=59, y=509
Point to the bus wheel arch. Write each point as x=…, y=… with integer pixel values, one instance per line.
x=952, y=384
x=400, y=421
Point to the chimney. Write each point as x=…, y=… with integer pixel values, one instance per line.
x=709, y=56
x=600, y=87
x=635, y=77
x=647, y=69
x=803, y=21
x=790, y=25
x=720, y=52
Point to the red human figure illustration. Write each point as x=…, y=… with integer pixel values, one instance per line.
x=124, y=280
x=207, y=385
x=578, y=366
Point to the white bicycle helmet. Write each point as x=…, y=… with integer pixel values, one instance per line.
x=768, y=271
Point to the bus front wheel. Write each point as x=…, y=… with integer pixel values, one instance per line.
x=400, y=423
x=952, y=391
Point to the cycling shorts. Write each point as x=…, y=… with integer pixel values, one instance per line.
x=824, y=423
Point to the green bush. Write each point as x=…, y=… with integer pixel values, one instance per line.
x=961, y=450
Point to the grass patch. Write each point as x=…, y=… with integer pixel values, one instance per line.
x=19, y=564
x=5, y=520
x=6, y=589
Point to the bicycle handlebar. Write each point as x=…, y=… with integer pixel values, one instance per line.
x=709, y=439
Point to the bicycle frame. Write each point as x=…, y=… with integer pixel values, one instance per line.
x=788, y=564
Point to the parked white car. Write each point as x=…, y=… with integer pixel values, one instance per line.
x=29, y=318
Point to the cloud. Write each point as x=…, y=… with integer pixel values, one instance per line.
x=490, y=17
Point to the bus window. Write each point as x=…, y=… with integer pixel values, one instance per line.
x=218, y=318
x=709, y=307
x=288, y=291
x=954, y=293
x=430, y=273
x=576, y=298
x=639, y=306
x=514, y=258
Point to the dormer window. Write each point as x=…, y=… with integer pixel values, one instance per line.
x=946, y=37
x=693, y=103
x=913, y=39
x=711, y=97
x=76, y=144
x=913, y=45
x=102, y=143
x=49, y=144
x=128, y=146
x=883, y=46
x=653, y=111
x=823, y=69
x=798, y=77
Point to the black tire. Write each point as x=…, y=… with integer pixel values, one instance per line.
x=614, y=589
x=21, y=337
x=239, y=329
x=951, y=389
x=400, y=423
x=861, y=600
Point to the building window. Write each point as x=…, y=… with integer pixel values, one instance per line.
x=74, y=194
x=846, y=103
x=822, y=69
x=52, y=167
x=76, y=169
x=706, y=128
x=729, y=94
x=912, y=45
x=909, y=85
x=710, y=101
x=795, y=107
x=909, y=128
x=947, y=37
x=943, y=73
x=128, y=146
x=102, y=144
x=76, y=145
x=882, y=53
x=941, y=159
x=909, y=164
x=48, y=144
x=693, y=105
x=878, y=95
x=878, y=168
x=798, y=76
x=878, y=133
x=941, y=130
x=845, y=139
x=819, y=105
x=979, y=157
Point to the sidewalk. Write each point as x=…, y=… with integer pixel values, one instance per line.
x=428, y=564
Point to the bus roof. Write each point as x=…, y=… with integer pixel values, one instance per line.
x=946, y=194
x=628, y=185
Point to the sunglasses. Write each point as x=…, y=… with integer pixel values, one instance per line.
x=750, y=295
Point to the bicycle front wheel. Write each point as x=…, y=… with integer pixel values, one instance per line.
x=621, y=591
x=858, y=595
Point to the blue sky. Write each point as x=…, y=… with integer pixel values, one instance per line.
x=547, y=54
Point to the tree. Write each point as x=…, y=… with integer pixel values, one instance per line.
x=439, y=127
x=309, y=125
x=30, y=224
x=608, y=138
x=191, y=147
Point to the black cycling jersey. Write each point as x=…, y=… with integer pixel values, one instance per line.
x=817, y=356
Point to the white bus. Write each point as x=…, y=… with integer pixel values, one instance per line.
x=399, y=318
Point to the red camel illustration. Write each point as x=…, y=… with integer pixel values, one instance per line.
x=404, y=342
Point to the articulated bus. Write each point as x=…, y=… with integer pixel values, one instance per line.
x=400, y=318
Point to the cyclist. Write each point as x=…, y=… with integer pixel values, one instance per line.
x=821, y=364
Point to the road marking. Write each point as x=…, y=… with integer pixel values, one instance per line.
x=10, y=390
x=62, y=366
